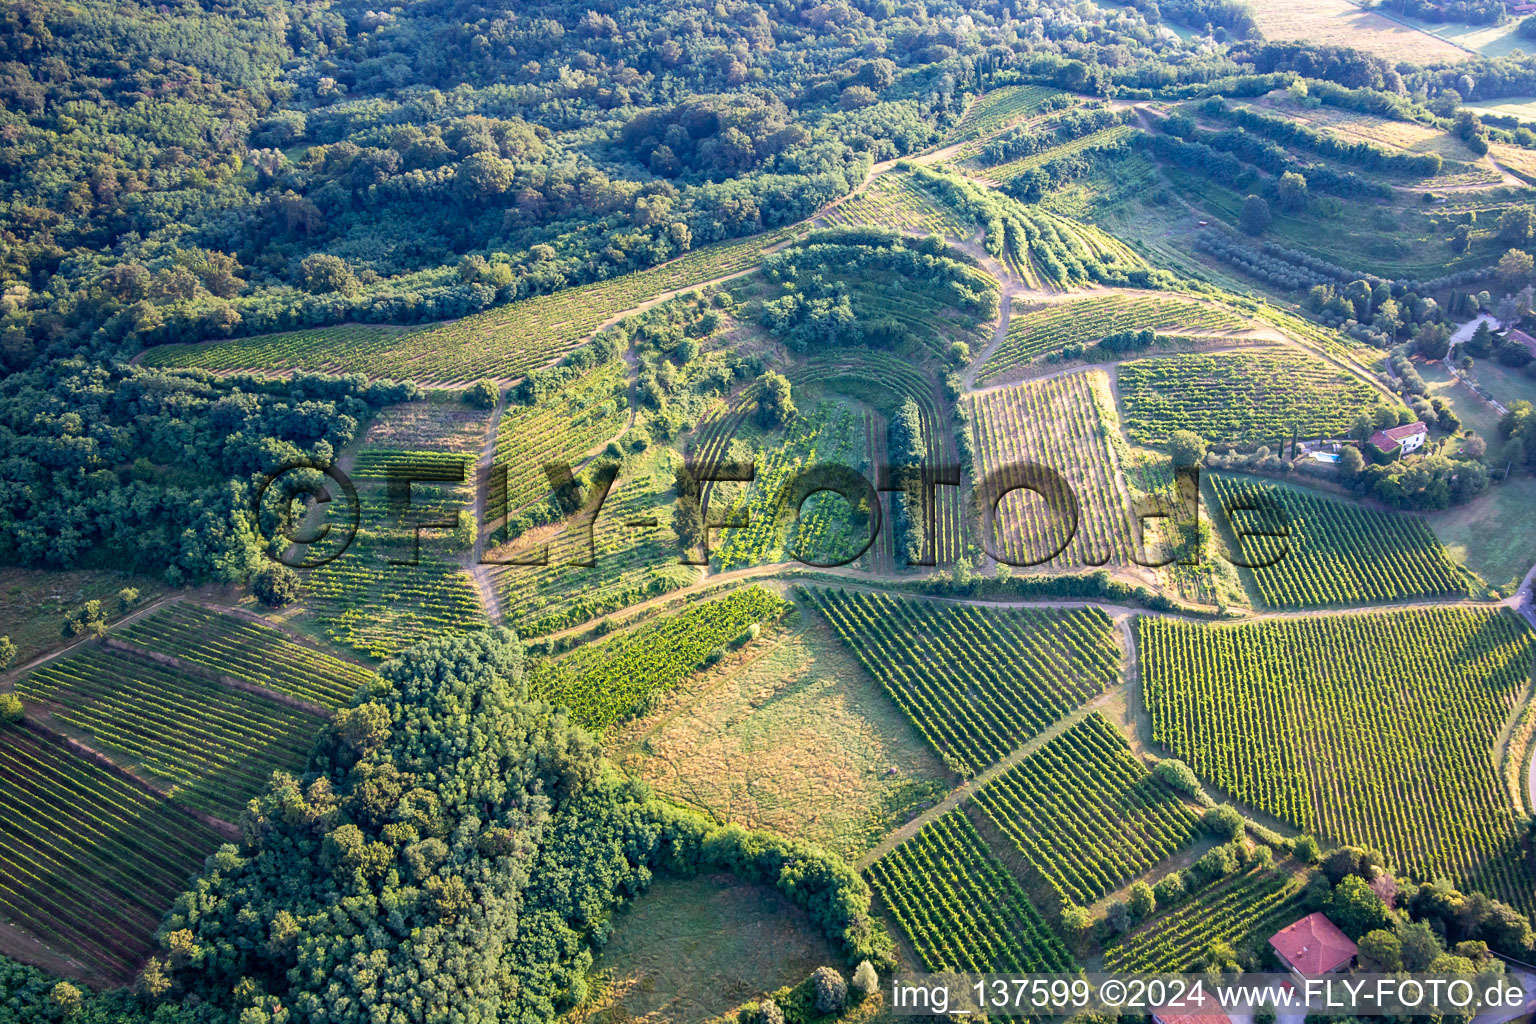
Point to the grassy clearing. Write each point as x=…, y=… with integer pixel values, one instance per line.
x=1507, y=385
x=789, y=736
x=1523, y=107
x=33, y=602
x=1357, y=127
x=1474, y=413
x=440, y=423
x=1494, y=536
x=692, y=949
x=1487, y=40
x=1341, y=23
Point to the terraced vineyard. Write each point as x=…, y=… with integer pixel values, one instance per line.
x=959, y=907
x=89, y=859
x=363, y=602
x=1242, y=910
x=504, y=342
x=386, y=464
x=633, y=545
x=1005, y=172
x=244, y=650
x=1086, y=814
x=1047, y=329
x=1000, y=108
x=1058, y=423
x=828, y=435
x=1240, y=398
x=1372, y=729
x=606, y=681
x=211, y=746
x=976, y=681
x=895, y=201
x=1335, y=552
x=560, y=428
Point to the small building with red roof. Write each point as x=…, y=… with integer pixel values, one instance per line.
x=1209, y=1015
x=1516, y=334
x=1313, y=946
x=1409, y=437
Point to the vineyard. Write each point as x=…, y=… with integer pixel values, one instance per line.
x=560, y=428
x=999, y=174
x=1240, y=911
x=503, y=342
x=1086, y=814
x=1052, y=328
x=960, y=907
x=1370, y=729
x=634, y=549
x=829, y=435
x=1057, y=423
x=895, y=201
x=212, y=747
x=1334, y=552
x=1043, y=250
x=89, y=860
x=244, y=650
x=1240, y=398
x=975, y=681
x=1001, y=108
x=606, y=681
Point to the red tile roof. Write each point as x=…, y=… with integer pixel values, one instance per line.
x=1390, y=438
x=1209, y=1015
x=1515, y=334
x=1313, y=945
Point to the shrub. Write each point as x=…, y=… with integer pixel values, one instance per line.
x=1142, y=900
x=1306, y=849
x=1169, y=889
x=1177, y=774
x=1224, y=822
x=275, y=585
x=10, y=708
x=865, y=980
x=831, y=990
x=482, y=394
x=7, y=652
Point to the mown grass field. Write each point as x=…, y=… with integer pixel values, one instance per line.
x=691, y=949
x=789, y=735
x=1494, y=536
x=1341, y=23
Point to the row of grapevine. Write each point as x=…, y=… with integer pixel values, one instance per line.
x=1057, y=423
x=634, y=551
x=1236, y=911
x=1373, y=729
x=893, y=201
x=975, y=681
x=606, y=681
x=960, y=907
x=245, y=650
x=1333, y=552
x=385, y=464
x=1000, y=108
x=1049, y=328
x=1242, y=398
x=1085, y=812
x=561, y=428
x=211, y=746
x=828, y=435
x=1005, y=172
x=88, y=859
x=503, y=342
